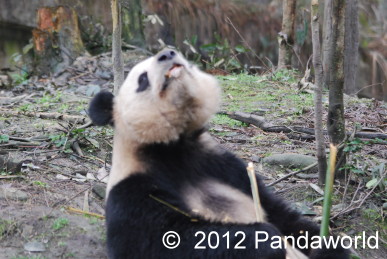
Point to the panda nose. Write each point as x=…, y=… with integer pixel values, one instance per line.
x=166, y=55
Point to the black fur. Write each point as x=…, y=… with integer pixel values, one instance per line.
x=137, y=220
x=143, y=82
x=101, y=109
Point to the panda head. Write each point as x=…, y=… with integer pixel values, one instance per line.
x=163, y=98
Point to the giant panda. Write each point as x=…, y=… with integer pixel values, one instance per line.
x=168, y=174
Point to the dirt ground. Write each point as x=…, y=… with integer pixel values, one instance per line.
x=51, y=193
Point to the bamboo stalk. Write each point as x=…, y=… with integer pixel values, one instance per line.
x=330, y=176
x=291, y=252
x=254, y=190
x=74, y=210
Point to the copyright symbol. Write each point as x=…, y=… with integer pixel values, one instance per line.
x=171, y=239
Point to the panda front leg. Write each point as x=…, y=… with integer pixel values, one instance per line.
x=168, y=234
x=138, y=226
x=291, y=223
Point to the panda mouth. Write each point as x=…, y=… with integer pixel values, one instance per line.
x=175, y=71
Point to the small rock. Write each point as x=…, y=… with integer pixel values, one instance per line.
x=12, y=194
x=103, y=175
x=255, y=159
x=34, y=246
x=10, y=164
x=90, y=176
x=62, y=177
x=99, y=190
x=104, y=74
x=5, y=81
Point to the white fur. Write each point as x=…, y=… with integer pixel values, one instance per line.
x=156, y=115
x=239, y=208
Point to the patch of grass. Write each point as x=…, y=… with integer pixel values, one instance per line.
x=40, y=184
x=219, y=133
x=372, y=215
x=276, y=96
x=6, y=227
x=226, y=120
x=60, y=223
x=63, y=107
x=3, y=172
x=81, y=107
x=61, y=243
x=26, y=107
x=92, y=220
x=4, y=138
x=19, y=78
x=285, y=75
x=378, y=222
x=47, y=98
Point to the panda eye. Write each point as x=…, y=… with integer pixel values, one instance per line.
x=143, y=82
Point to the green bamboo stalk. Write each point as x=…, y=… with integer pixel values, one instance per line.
x=324, y=231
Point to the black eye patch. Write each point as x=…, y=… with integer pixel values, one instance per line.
x=143, y=82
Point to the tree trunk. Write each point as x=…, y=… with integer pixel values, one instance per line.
x=132, y=23
x=334, y=30
x=351, y=48
x=318, y=113
x=57, y=39
x=118, y=65
x=286, y=36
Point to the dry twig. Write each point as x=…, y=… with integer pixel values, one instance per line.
x=291, y=174
x=46, y=115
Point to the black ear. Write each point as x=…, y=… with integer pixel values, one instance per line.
x=101, y=109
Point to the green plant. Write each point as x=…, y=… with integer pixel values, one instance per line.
x=60, y=223
x=40, y=184
x=47, y=98
x=353, y=146
x=6, y=227
x=61, y=243
x=59, y=140
x=372, y=214
x=226, y=120
x=25, y=107
x=284, y=75
x=219, y=54
x=63, y=107
x=372, y=174
x=4, y=138
x=19, y=78
x=2, y=172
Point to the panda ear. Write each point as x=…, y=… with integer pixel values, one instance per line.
x=101, y=109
